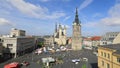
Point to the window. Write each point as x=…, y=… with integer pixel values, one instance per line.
x=104, y=54
x=102, y=63
x=105, y=42
x=108, y=55
x=108, y=65
x=10, y=48
x=9, y=45
x=101, y=53
x=118, y=60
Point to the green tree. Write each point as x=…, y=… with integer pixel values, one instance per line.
x=40, y=44
x=84, y=66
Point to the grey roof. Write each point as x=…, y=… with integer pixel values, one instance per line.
x=114, y=47
x=117, y=52
x=109, y=36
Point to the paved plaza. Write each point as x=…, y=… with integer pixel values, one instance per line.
x=67, y=57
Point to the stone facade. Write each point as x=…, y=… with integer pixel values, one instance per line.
x=60, y=35
x=76, y=37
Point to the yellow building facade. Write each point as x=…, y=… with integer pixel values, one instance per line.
x=109, y=56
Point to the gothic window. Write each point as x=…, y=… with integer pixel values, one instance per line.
x=62, y=33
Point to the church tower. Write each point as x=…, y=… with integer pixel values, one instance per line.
x=76, y=36
x=60, y=35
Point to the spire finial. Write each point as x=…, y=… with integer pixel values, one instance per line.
x=76, y=11
x=76, y=17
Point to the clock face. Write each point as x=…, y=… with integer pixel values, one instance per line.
x=74, y=23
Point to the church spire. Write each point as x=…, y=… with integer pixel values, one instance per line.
x=76, y=17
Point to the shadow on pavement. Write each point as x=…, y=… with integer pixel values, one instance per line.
x=94, y=65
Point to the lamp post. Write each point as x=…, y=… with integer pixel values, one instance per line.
x=32, y=55
x=87, y=62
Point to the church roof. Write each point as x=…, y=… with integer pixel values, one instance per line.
x=76, y=17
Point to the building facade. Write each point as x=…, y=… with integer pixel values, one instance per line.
x=60, y=35
x=17, y=46
x=96, y=41
x=117, y=39
x=109, y=56
x=76, y=36
x=48, y=40
x=87, y=41
x=108, y=38
x=15, y=32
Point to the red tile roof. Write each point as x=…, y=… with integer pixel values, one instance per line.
x=96, y=38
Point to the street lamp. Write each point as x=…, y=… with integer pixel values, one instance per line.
x=87, y=62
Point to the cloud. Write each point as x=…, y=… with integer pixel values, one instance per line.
x=107, y=24
x=85, y=4
x=5, y=26
x=115, y=10
x=44, y=0
x=66, y=18
x=5, y=22
x=35, y=11
x=66, y=0
x=113, y=21
x=53, y=0
x=97, y=15
x=114, y=16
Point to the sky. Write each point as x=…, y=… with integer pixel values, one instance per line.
x=38, y=17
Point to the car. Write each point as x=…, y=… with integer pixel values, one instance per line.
x=12, y=65
x=25, y=63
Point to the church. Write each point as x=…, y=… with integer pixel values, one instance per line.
x=60, y=35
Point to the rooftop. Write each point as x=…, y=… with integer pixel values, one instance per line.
x=94, y=38
x=113, y=47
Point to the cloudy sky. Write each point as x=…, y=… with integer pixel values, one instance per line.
x=38, y=17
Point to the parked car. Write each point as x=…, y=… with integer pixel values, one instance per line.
x=25, y=63
x=12, y=65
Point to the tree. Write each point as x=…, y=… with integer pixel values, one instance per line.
x=84, y=66
x=40, y=44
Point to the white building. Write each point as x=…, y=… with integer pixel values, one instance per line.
x=108, y=38
x=87, y=42
x=18, y=45
x=117, y=39
x=92, y=41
